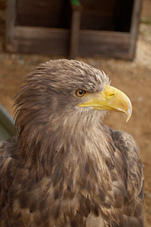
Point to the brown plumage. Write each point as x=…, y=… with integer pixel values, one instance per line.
x=66, y=168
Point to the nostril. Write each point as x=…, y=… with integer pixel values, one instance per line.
x=111, y=94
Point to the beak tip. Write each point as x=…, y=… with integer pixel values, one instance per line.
x=127, y=119
x=129, y=113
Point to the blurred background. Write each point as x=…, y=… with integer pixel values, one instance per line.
x=133, y=77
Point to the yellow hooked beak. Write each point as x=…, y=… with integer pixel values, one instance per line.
x=109, y=99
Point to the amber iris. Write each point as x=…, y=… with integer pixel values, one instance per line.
x=80, y=92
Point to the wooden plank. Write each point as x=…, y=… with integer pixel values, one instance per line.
x=55, y=42
x=135, y=27
x=10, y=23
x=42, y=40
x=25, y=32
x=104, y=43
x=75, y=33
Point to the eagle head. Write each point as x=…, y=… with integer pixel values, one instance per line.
x=65, y=95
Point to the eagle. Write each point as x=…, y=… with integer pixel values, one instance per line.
x=65, y=168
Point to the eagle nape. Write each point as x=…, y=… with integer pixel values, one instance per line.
x=65, y=168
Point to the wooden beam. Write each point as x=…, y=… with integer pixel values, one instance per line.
x=75, y=32
x=135, y=27
x=41, y=40
x=104, y=43
x=55, y=42
x=10, y=24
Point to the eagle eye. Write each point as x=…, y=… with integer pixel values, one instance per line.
x=80, y=92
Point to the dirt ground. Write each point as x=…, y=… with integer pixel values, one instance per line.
x=134, y=78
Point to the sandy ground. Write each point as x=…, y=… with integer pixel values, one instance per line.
x=134, y=78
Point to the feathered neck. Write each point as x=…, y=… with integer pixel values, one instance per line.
x=73, y=138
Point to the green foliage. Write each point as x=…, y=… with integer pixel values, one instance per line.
x=75, y=2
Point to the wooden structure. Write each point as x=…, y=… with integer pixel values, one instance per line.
x=107, y=28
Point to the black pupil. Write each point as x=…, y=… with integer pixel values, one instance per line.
x=81, y=92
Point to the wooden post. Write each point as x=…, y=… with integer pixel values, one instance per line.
x=135, y=27
x=10, y=24
x=75, y=31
